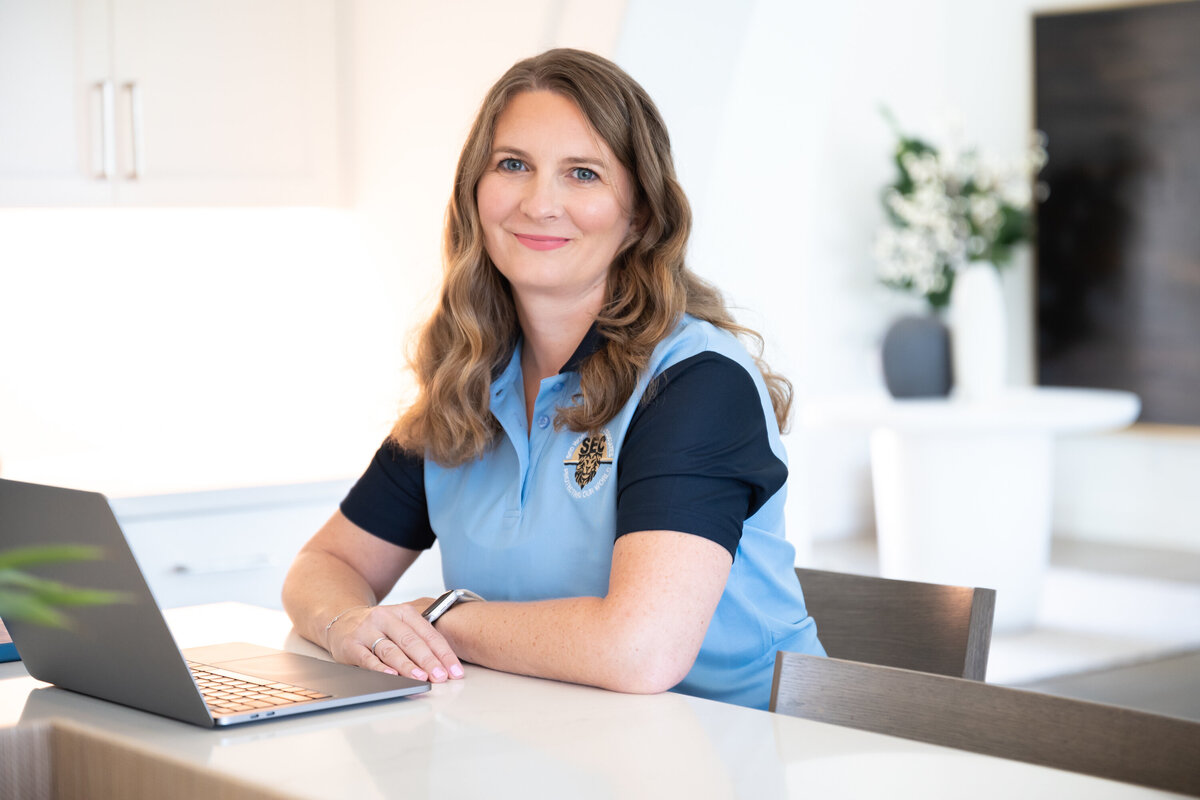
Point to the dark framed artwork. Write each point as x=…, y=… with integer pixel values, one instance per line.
x=1117, y=93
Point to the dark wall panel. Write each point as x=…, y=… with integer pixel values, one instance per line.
x=1118, y=258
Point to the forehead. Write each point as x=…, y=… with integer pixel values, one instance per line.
x=548, y=121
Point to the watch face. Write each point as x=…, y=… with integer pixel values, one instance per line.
x=448, y=599
x=437, y=607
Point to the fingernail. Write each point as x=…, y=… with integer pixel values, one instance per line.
x=456, y=671
x=439, y=674
x=391, y=671
x=419, y=674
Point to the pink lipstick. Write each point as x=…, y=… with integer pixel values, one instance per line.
x=541, y=242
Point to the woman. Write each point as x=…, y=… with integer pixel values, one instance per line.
x=595, y=451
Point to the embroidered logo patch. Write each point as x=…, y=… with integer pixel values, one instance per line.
x=588, y=464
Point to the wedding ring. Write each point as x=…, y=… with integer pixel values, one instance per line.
x=375, y=644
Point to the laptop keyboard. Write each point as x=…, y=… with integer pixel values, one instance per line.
x=230, y=692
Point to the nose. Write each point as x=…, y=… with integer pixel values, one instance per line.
x=543, y=198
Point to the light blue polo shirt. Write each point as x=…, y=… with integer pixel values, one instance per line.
x=695, y=449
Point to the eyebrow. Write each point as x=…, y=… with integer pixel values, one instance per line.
x=519, y=153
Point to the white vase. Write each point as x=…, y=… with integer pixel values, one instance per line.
x=978, y=332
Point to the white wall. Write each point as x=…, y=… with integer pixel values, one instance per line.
x=161, y=350
x=1137, y=487
x=773, y=107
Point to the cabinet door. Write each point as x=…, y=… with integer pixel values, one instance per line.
x=54, y=57
x=232, y=544
x=226, y=101
x=184, y=102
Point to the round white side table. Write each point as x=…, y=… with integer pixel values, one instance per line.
x=963, y=488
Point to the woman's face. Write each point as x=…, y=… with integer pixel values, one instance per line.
x=555, y=203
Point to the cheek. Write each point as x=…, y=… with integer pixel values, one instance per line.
x=490, y=201
x=603, y=216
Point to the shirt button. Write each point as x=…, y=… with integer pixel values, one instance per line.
x=543, y=421
x=558, y=387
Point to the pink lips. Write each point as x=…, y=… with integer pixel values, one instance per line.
x=541, y=242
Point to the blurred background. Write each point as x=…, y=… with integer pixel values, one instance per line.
x=236, y=316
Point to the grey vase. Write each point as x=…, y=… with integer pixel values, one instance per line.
x=916, y=358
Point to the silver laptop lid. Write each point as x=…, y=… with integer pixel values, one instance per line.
x=121, y=652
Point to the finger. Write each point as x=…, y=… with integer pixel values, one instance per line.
x=368, y=660
x=389, y=654
x=412, y=646
x=441, y=649
x=394, y=658
x=409, y=647
x=437, y=644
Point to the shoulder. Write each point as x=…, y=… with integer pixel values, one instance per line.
x=707, y=396
x=706, y=384
x=702, y=452
x=388, y=500
x=693, y=337
x=702, y=364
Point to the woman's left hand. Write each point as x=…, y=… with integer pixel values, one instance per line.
x=399, y=638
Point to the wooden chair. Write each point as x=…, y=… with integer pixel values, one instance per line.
x=920, y=626
x=1077, y=735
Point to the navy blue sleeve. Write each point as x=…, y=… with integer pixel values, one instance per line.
x=697, y=458
x=389, y=499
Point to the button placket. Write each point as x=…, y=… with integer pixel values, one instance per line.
x=508, y=406
x=542, y=431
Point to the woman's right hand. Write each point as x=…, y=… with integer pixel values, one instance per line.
x=404, y=642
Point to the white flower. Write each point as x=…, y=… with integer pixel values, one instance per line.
x=983, y=209
x=956, y=205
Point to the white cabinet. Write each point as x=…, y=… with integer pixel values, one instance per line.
x=190, y=102
x=237, y=544
x=233, y=544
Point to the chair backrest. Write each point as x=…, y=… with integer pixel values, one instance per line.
x=921, y=626
x=1077, y=735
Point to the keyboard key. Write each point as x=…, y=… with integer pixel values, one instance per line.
x=229, y=692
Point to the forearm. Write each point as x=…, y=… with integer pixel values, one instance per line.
x=642, y=637
x=318, y=587
x=599, y=642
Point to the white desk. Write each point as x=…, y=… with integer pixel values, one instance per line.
x=497, y=735
x=963, y=489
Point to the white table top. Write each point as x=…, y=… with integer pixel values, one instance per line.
x=1029, y=409
x=497, y=735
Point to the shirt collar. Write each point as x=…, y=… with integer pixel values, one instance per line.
x=593, y=340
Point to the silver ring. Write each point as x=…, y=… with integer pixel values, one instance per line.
x=375, y=644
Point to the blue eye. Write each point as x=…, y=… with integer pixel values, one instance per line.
x=512, y=164
x=585, y=174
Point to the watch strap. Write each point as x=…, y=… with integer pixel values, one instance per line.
x=447, y=601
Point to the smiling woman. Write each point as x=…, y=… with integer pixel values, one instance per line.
x=593, y=448
x=555, y=188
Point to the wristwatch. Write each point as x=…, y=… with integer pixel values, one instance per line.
x=446, y=602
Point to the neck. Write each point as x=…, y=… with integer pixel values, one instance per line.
x=552, y=330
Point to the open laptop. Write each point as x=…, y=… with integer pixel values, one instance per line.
x=124, y=652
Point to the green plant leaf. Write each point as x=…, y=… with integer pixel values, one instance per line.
x=21, y=606
x=55, y=593
x=34, y=599
x=45, y=554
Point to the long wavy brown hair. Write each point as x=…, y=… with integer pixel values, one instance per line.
x=470, y=336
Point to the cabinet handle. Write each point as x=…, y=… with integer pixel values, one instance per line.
x=216, y=567
x=135, y=129
x=108, y=155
